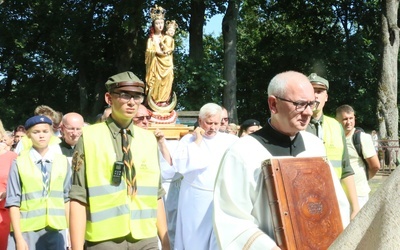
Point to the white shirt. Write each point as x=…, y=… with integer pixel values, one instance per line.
x=368, y=150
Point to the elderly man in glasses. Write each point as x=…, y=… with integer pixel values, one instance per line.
x=142, y=117
x=71, y=131
x=242, y=215
x=116, y=194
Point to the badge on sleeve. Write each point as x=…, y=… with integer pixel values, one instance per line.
x=77, y=160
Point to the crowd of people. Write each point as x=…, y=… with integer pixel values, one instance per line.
x=117, y=184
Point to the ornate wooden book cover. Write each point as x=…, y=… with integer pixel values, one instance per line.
x=303, y=202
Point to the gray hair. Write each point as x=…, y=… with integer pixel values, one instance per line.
x=9, y=133
x=210, y=109
x=278, y=85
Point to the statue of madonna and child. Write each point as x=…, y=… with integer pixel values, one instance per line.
x=159, y=66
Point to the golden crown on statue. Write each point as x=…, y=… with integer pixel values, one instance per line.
x=157, y=12
x=171, y=24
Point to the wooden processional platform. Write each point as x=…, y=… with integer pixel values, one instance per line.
x=172, y=131
x=177, y=131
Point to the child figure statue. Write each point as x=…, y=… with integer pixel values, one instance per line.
x=167, y=44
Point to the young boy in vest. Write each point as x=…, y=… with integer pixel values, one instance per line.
x=37, y=192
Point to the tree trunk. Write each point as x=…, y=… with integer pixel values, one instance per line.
x=83, y=95
x=229, y=32
x=82, y=56
x=387, y=110
x=128, y=46
x=198, y=8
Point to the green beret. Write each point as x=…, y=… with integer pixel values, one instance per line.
x=125, y=81
x=318, y=81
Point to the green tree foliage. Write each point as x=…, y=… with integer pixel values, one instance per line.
x=33, y=52
x=60, y=52
x=334, y=39
x=198, y=84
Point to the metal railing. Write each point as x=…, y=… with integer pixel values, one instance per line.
x=388, y=153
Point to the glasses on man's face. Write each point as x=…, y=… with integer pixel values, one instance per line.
x=127, y=97
x=300, y=106
x=141, y=118
x=73, y=129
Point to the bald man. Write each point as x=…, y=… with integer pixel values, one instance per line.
x=242, y=215
x=71, y=130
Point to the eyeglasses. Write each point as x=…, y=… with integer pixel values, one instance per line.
x=72, y=129
x=301, y=106
x=127, y=97
x=141, y=118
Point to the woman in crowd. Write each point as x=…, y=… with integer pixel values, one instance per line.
x=6, y=158
x=249, y=126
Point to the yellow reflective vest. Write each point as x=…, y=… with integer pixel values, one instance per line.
x=112, y=212
x=334, y=144
x=38, y=211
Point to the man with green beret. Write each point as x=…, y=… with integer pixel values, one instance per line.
x=116, y=187
x=331, y=133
